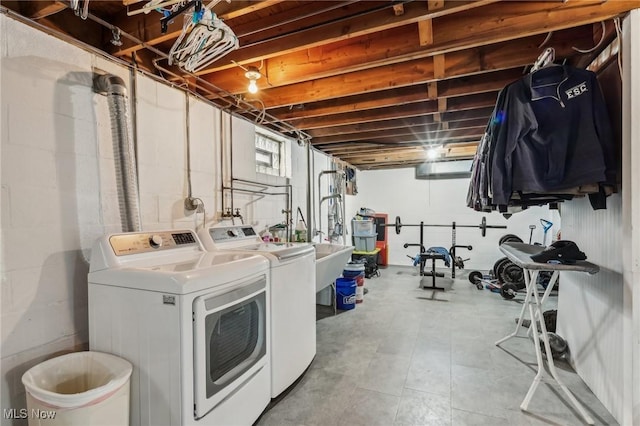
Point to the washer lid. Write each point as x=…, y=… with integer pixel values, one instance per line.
x=183, y=274
x=167, y=261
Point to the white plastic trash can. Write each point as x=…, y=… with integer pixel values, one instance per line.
x=80, y=388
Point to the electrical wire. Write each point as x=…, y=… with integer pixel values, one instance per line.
x=547, y=38
x=597, y=45
x=616, y=22
x=232, y=101
x=188, y=143
x=259, y=119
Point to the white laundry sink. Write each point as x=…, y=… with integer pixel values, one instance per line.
x=330, y=262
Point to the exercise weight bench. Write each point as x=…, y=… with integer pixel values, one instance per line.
x=433, y=256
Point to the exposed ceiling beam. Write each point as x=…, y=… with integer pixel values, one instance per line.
x=406, y=124
x=505, y=55
x=343, y=29
x=434, y=130
x=401, y=111
x=41, y=9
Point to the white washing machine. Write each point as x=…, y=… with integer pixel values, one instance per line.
x=194, y=324
x=293, y=298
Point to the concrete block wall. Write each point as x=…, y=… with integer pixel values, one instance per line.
x=51, y=200
x=161, y=116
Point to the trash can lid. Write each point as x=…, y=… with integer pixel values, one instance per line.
x=77, y=379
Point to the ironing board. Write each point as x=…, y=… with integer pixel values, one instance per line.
x=520, y=254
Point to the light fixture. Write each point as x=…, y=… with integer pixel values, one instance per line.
x=433, y=152
x=252, y=74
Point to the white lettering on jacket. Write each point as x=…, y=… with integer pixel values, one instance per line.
x=576, y=90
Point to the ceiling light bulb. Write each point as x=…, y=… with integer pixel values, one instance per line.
x=432, y=153
x=253, y=87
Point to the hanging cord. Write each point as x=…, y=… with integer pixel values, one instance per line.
x=547, y=38
x=263, y=112
x=299, y=213
x=200, y=209
x=597, y=45
x=188, y=143
x=616, y=22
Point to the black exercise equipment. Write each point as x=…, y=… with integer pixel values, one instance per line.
x=531, y=228
x=498, y=265
x=455, y=260
x=475, y=277
x=500, y=268
x=513, y=274
x=509, y=238
x=557, y=345
x=483, y=225
x=432, y=273
x=508, y=291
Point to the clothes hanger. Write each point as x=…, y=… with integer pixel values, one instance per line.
x=203, y=40
x=546, y=59
x=544, y=69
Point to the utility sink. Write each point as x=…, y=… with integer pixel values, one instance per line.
x=330, y=262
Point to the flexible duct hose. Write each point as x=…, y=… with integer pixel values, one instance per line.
x=125, y=157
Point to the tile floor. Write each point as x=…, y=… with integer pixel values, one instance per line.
x=411, y=356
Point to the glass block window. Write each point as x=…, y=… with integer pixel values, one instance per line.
x=269, y=155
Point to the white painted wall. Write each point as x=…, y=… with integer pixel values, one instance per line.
x=398, y=193
x=631, y=217
x=59, y=188
x=590, y=307
x=597, y=314
x=162, y=162
x=262, y=211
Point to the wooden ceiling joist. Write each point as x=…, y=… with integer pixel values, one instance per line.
x=369, y=82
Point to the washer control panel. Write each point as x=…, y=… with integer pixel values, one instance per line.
x=143, y=242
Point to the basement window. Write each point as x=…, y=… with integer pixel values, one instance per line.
x=270, y=153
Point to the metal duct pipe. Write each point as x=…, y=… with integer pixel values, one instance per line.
x=124, y=152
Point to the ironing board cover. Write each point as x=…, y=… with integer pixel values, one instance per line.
x=520, y=254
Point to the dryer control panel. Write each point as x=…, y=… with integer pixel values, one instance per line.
x=143, y=242
x=233, y=233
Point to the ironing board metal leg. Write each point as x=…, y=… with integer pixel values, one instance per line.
x=535, y=311
x=536, y=342
x=527, y=281
x=547, y=292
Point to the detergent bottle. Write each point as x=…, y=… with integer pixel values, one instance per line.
x=300, y=232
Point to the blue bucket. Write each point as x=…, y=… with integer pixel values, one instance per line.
x=345, y=293
x=353, y=270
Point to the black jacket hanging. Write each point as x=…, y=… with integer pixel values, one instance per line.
x=555, y=135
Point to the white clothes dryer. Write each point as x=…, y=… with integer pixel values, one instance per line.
x=194, y=324
x=292, y=296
